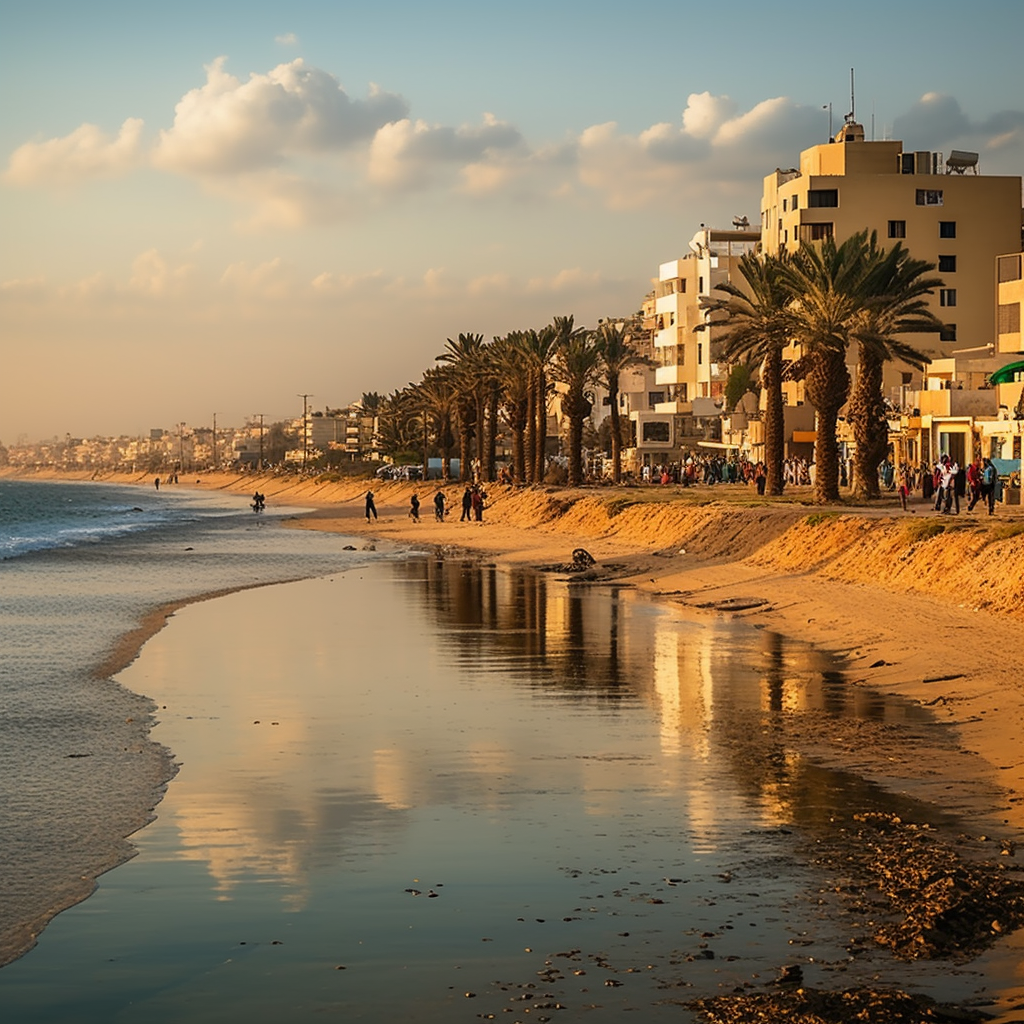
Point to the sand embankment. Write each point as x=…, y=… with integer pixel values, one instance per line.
x=930, y=607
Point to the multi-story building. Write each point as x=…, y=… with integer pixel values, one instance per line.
x=942, y=210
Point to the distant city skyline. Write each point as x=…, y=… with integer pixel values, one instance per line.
x=218, y=207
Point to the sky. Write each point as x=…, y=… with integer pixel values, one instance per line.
x=218, y=207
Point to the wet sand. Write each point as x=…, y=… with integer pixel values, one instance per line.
x=955, y=657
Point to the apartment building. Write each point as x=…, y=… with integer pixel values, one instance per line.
x=940, y=207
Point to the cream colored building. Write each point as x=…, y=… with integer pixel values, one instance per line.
x=688, y=369
x=941, y=208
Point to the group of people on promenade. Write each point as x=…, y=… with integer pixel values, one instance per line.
x=473, y=499
x=948, y=482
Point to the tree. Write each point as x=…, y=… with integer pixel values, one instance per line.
x=436, y=397
x=758, y=317
x=896, y=285
x=614, y=341
x=510, y=362
x=464, y=357
x=830, y=291
x=577, y=365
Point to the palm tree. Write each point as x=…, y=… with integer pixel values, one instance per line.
x=897, y=286
x=757, y=314
x=437, y=397
x=828, y=284
x=510, y=361
x=577, y=365
x=399, y=423
x=539, y=347
x=617, y=354
x=464, y=358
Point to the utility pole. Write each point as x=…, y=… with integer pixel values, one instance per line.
x=305, y=429
x=215, y=442
x=260, y=467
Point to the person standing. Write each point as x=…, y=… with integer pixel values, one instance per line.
x=414, y=508
x=973, y=484
x=901, y=479
x=371, y=509
x=989, y=482
x=467, y=505
x=949, y=474
x=439, y=506
x=477, y=501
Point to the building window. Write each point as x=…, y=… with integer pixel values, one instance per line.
x=948, y=332
x=947, y=264
x=929, y=197
x=656, y=431
x=1009, y=318
x=655, y=397
x=947, y=229
x=785, y=237
x=796, y=203
x=818, y=197
x=907, y=163
x=785, y=205
x=947, y=296
x=815, y=232
x=700, y=285
x=1009, y=268
x=700, y=352
x=897, y=229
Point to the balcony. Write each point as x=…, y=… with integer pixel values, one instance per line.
x=955, y=402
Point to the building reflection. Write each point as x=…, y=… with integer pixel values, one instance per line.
x=442, y=683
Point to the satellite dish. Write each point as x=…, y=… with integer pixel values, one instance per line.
x=740, y=223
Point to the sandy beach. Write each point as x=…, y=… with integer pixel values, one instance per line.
x=911, y=605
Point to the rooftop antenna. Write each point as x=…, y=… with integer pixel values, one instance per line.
x=853, y=105
x=828, y=107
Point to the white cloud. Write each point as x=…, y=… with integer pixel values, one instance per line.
x=406, y=152
x=267, y=280
x=151, y=275
x=704, y=114
x=227, y=126
x=88, y=152
x=287, y=39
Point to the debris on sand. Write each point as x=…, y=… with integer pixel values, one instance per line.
x=810, y=1006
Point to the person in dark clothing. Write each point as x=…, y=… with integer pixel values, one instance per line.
x=371, y=509
x=439, y=506
x=414, y=508
x=467, y=506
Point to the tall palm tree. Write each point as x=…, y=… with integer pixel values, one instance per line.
x=539, y=347
x=511, y=366
x=829, y=293
x=577, y=365
x=897, y=287
x=757, y=315
x=614, y=342
x=464, y=357
x=437, y=397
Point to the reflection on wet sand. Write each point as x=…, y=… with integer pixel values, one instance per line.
x=565, y=767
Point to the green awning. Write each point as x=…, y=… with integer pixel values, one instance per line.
x=1008, y=374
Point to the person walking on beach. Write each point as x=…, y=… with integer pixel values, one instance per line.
x=476, y=499
x=467, y=505
x=439, y=506
x=414, y=508
x=901, y=480
x=371, y=509
x=989, y=479
x=973, y=484
x=156, y=483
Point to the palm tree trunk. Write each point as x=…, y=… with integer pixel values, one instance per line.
x=613, y=400
x=464, y=447
x=530, y=435
x=541, y=435
x=491, y=435
x=774, y=421
x=870, y=426
x=575, y=450
x=827, y=387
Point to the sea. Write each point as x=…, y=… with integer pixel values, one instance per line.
x=361, y=783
